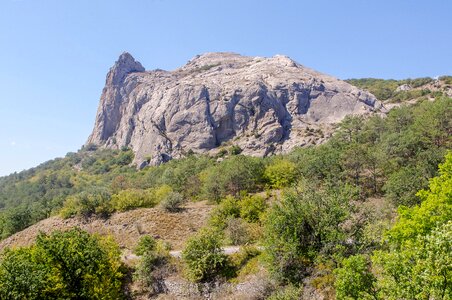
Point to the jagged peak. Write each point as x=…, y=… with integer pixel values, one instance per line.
x=124, y=65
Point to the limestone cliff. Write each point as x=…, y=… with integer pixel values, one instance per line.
x=264, y=105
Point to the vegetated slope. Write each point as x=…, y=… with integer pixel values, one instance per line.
x=391, y=91
x=263, y=105
x=338, y=200
x=393, y=156
x=126, y=227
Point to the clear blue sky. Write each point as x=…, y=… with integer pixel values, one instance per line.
x=54, y=54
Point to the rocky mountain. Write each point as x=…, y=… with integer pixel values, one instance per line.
x=263, y=105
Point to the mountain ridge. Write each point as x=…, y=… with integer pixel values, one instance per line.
x=262, y=105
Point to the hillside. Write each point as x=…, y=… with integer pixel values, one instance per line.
x=392, y=92
x=344, y=207
x=125, y=227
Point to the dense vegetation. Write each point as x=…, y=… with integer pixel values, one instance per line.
x=389, y=90
x=327, y=211
x=64, y=265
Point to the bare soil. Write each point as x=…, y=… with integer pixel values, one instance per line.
x=126, y=227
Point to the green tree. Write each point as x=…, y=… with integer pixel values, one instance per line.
x=231, y=176
x=354, y=280
x=203, y=256
x=434, y=210
x=422, y=269
x=280, y=173
x=305, y=222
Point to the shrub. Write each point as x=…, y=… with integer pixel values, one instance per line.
x=290, y=292
x=231, y=176
x=251, y=207
x=304, y=223
x=151, y=268
x=235, y=150
x=203, y=257
x=161, y=192
x=133, y=198
x=14, y=220
x=280, y=173
x=434, y=210
x=63, y=265
x=420, y=270
x=237, y=232
x=242, y=257
x=354, y=279
x=146, y=244
x=172, y=201
x=227, y=209
x=87, y=203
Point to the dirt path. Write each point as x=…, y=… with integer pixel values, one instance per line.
x=228, y=250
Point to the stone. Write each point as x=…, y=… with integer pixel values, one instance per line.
x=263, y=105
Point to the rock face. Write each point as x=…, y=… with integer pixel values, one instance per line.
x=263, y=105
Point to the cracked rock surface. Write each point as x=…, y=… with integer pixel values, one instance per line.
x=263, y=105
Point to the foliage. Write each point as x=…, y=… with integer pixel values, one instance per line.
x=416, y=262
x=290, y=292
x=237, y=231
x=280, y=173
x=304, y=223
x=153, y=261
x=87, y=203
x=64, y=265
x=231, y=176
x=14, y=220
x=227, y=209
x=420, y=270
x=146, y=244
x=354, y=279
x=246, y=253
x=235, y=150
x=252, y=207
x=434, y=210
x=203, y=256
x=387, y=89
x=172, y=202
x=134, y=198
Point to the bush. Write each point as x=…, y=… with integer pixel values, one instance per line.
x=87, y=203
x=251, y=207
x=146, y=244
x=151, y=268
x=135, y=198
x=172, y=201
x=237, y=232
x=14, y=220
x=235, y=150
x=290, y=292
x=280, y=173
x=420, y=270
x=203, y=256
x=354, y=279
x=227, y=209
x=231, y=176
x=305, y=223
x=63, y=265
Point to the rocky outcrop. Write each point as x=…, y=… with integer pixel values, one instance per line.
x=263, y=105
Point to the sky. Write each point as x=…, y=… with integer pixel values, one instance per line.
x=54, y=54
